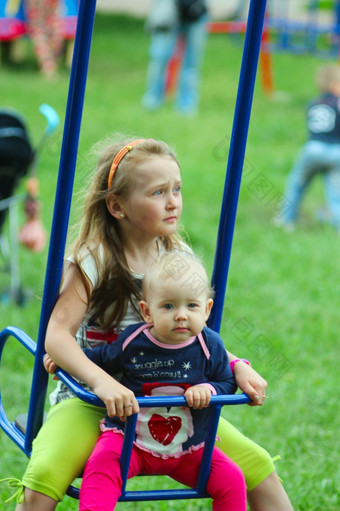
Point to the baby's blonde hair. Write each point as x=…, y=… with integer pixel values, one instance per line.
x=98, y=231
x=326, y=76
x=183, y=267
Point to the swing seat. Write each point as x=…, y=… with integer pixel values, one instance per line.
x=24, y=434
x=17, y=430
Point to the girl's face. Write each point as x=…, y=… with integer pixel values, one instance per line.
x=154, y=204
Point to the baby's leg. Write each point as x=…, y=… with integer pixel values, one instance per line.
x=102, y=482
x=225, y=484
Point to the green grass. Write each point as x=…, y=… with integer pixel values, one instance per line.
x=282, y=297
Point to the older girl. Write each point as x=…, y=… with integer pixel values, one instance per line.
x=131, y=213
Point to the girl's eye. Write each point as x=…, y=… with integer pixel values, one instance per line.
x=168, y=306
x=158, y=192
x=177, y=189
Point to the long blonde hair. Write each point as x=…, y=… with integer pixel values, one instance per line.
x=99, y=235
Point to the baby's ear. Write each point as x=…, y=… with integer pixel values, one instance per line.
x=144, y=307
x=209, y=305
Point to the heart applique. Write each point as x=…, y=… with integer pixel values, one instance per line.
x=164, y=429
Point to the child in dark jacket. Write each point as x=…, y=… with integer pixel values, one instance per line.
x=320, y=155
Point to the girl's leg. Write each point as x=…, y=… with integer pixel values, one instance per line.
x=59, y=454
x=254, y=461
x=269, y=496
x=102, y=483
x=37, y=501
x=265, y=491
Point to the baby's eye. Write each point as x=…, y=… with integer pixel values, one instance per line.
x=168, y=306
x=177, y=189
x=192, y=305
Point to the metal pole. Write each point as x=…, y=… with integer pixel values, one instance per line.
x=236, y=156
x=62, y=208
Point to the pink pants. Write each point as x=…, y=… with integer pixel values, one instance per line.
x=101, y=486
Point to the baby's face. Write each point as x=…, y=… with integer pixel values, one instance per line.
x=179, y=309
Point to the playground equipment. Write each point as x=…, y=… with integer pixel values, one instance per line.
x=295, y=26
x=23, y=437
x=304, y=27
x=291, y=26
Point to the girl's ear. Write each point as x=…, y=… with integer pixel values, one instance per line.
x=144, y=307
x=209, y=305
x=114, y=207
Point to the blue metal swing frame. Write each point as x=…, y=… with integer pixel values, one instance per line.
x=59, y=229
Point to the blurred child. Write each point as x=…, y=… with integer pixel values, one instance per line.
x=183, y=30
x=44, y=27
x=320, y=155
x=173, y=353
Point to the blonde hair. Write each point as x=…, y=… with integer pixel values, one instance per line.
x=326, y=76
x=179, y=267
x=99, y=235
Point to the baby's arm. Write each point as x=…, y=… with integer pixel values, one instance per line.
x=66, y=353
x=217, y=377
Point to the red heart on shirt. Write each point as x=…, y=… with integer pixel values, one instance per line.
x=164, y=429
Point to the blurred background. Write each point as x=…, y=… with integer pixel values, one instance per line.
x=281, y=308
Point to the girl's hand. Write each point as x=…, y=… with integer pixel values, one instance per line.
x=119, y=400
x=250, y=382
x=49, y=365
x=198, y=396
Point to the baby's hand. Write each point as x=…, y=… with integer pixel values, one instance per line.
x=198, y=396
x=49, y=365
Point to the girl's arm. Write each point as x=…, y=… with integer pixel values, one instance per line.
x=249, y=381
x=62, y=347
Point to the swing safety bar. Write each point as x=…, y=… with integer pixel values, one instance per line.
x=59, y=230
x=15, y=432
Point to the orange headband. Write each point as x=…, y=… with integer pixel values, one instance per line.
x=118, y=158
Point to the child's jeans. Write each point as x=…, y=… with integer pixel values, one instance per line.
x=101, y=486
x=315, y=158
